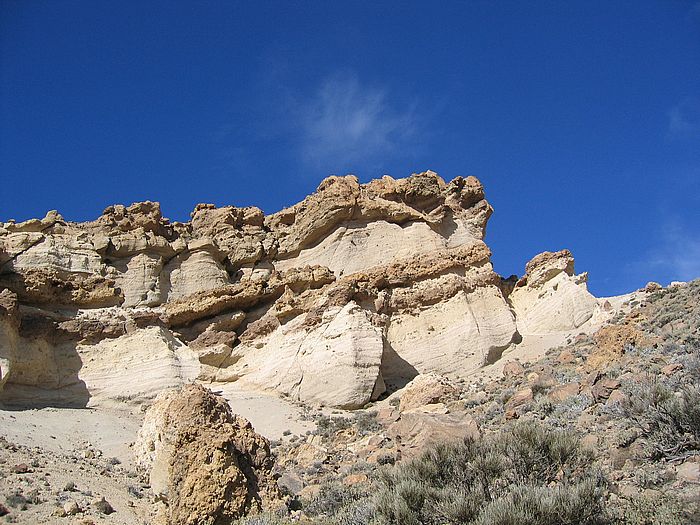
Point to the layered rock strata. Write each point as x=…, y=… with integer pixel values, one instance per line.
x=355, y=290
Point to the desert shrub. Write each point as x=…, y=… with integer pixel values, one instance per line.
x=675, y=313
x=327, y=426
x=530, y=474
x=359, y=513
x=572, y=407
x=668, y=419
x=576, y=503
x=17, y=500
x=506, y=394
x=538, y=389
x=335, y=499
x=543, y=406
x=366, y=422
x=691, y=362
x=362, y=467
x=644, y=510
x=363, y=422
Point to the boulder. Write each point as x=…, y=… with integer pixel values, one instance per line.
x=426, y=389
x=422, y=427
x=205, y=463
x=563, y=392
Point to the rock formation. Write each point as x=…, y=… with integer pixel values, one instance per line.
x=206, y=464
x=355, y=290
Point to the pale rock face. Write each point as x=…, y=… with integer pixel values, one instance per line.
x=336, y=363
x=8, y=350
x=194, y=272
x=551, y=298
x=356, y=289
x=139, y=280
x=63, y=253
x=31, y=356
x=8, y=334
x=13, y=244
x=149, y=360
x=357, y=246
x=452, y=337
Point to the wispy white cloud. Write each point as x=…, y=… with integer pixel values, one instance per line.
x=678, y=253
x=349, y=124
x=684, y=119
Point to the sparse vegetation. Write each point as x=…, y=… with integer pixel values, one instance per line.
x=362, y=422
x=668, y=419
x=528, y=473
x=655, y=510
x=533, y=469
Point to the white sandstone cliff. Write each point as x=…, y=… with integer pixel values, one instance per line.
x=355, y=290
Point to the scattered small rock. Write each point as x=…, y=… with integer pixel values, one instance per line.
x=511, y=413
x=604, y=388
x=617, y=397
x=101, y=505
x=354, y=479
x=671, y=369
x=513, y=369
x=520, y=398
x=689, y=472
x=290, y=483
x=21, y=468
x=566, y=357
x=71, y=508
x=564, y=392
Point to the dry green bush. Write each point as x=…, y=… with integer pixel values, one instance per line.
x=668, y=418
x=530, y=474
x=660, y=510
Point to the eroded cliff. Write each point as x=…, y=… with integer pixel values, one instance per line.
x=352, y=292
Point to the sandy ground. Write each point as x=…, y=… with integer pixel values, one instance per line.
x=270, y=415
x=61, y=430
x=50, y=457
x=91, y=448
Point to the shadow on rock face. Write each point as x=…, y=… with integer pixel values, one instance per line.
x=396, y=371
x=22, y=397
x=39, y=363
x=45, y=375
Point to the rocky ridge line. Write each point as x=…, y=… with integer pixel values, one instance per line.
x=352, y=292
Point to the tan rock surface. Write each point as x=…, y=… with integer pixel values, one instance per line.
x=358, y=288
x=419, y=428
x=346, y=346
x=550, y=297
x=427, y=389
x=611, y=342
x=207, y=464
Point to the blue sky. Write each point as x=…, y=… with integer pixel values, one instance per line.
x=582, y=119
